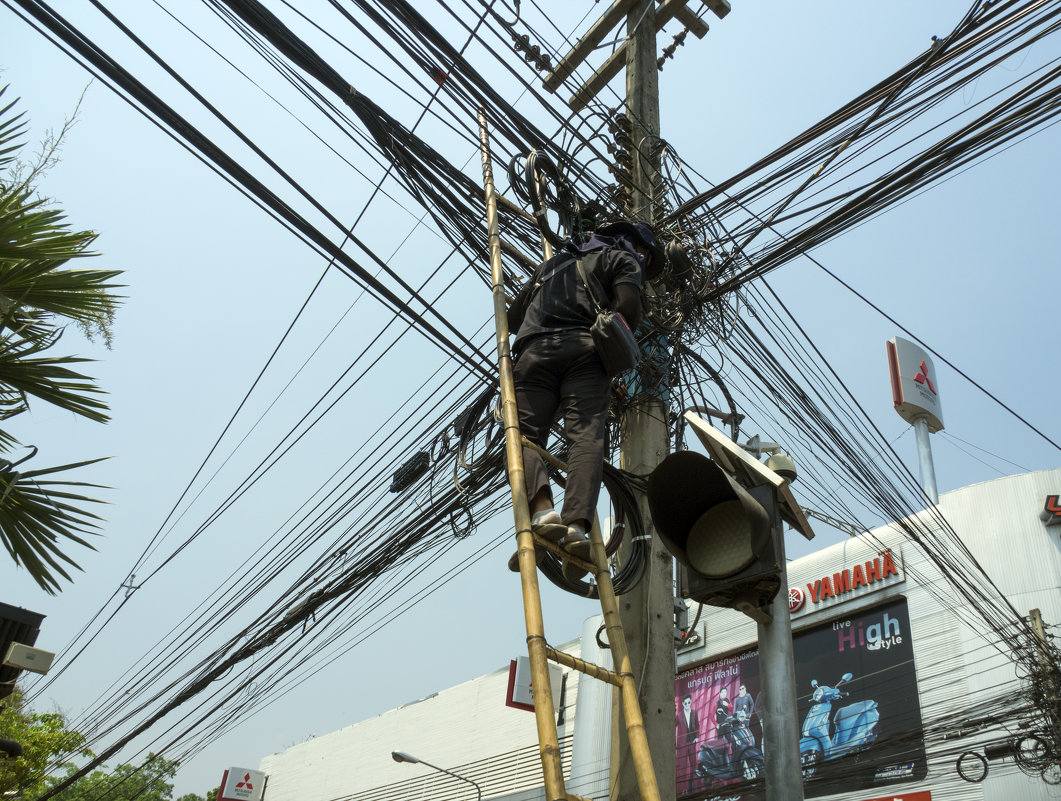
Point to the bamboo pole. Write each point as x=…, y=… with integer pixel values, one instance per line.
x=548, y=743
x=582, y=666
x=635, y=725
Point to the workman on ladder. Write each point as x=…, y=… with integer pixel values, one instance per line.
x=557, y=369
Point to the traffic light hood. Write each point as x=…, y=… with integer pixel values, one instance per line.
x=708, y=521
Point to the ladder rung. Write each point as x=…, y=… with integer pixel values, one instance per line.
x=596, y=671
x=573, y=797
x=562, y=555
x=543, y=453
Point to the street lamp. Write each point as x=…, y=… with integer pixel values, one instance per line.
x=399, y=756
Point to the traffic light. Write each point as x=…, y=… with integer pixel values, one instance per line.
x=726, y=537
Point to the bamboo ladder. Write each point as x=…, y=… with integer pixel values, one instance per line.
x=538, y=650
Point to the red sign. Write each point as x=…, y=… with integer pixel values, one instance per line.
x=241, y=784
x=522, y=698
x=521, y=689
x=1051, y=513
x=873, y=571
x=920, y=795
x=914, y=379
x=796, y=599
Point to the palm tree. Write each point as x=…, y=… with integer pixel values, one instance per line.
x=39, y=295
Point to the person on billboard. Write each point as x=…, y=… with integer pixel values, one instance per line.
x=743, y=704
x=743, y=707
x=687, y=725
x=724, y=708
x=723, y=712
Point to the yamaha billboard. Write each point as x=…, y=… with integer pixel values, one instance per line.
x=857, y=707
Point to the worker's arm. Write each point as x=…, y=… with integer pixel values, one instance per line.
x=518, y=309
x=628, y=303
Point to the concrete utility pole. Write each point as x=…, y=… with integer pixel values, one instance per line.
x=647, y=611
x=1050, y=688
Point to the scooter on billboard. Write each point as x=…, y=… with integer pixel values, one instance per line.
x=854, y=727
x=736, y=758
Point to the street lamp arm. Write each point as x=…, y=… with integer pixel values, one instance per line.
x=478, y=789
x=399, y=756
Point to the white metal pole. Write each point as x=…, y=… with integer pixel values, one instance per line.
x=591, y=750
x=924, y=458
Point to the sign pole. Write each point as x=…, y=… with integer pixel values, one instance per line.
x=915, y=394
x=924, y=458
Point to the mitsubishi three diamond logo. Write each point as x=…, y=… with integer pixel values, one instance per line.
x=922, y=377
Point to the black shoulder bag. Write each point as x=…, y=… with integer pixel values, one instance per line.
x=612, y=337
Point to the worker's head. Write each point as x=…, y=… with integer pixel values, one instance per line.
x=643, y=240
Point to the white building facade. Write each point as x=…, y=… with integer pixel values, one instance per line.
x=928, y=679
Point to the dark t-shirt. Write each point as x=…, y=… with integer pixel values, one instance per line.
x=562, y=303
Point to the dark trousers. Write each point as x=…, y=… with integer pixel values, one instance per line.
x=562, y=374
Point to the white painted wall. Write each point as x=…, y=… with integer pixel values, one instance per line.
x=469, y=725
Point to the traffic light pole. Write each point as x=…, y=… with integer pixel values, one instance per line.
x=647, y=611
x=777, y=667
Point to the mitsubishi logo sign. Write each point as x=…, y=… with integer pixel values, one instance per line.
x=242, y=784
x=914, y=383
x=922, y=377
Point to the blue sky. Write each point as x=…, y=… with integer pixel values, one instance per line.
x=213, y=283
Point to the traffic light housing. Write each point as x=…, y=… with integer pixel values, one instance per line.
x=726, y=537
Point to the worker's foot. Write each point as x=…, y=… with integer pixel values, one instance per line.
x=573, y=572
x=548, y=525
x=513, y=561
x=576, y=543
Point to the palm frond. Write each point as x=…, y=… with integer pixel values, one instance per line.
x=40, y=515
x=23, y=371
x=37, y=521
x=7, y=441
x=28, y=323
x=83, y=295
x=10, y=129
x=29, y=228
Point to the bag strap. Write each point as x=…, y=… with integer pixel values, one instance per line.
x=589, y=287
x=539, y=278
